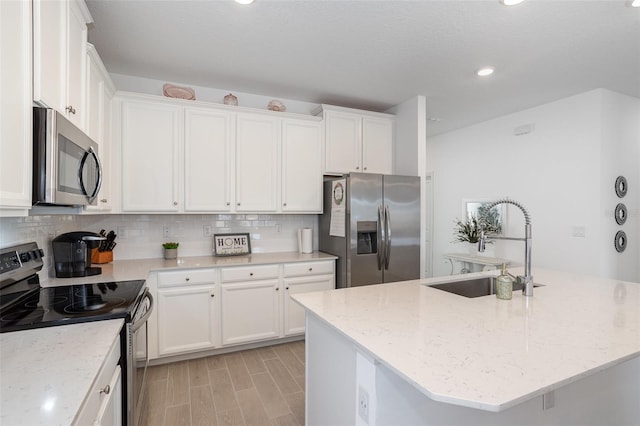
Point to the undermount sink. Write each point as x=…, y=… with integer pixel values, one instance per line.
x=475, y=287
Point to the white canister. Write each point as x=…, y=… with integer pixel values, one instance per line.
x=305, y=240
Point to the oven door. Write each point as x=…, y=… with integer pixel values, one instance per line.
x=137, y=360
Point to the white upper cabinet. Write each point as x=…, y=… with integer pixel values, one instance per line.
x=100, y=91
x=227, y=160
x=208, y=160
x=151, y=141
x=59, y=56
x=357, y=141
x=16, y=142
x=377, y=145
x=301, y=166
x=257, y=163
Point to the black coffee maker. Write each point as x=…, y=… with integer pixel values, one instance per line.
x=72, y=254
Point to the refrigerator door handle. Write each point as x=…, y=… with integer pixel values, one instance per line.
x=387, y=224
x=380, y=238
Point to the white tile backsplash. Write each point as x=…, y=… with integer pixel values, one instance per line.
x=140, y=236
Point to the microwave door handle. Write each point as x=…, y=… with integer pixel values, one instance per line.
x=94, y=194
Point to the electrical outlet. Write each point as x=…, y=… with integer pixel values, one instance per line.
x=363, y=404
x=207, y=231
x=165, y=231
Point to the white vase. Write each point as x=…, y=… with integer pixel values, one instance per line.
x=171, y=253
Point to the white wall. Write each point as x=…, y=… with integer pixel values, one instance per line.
x=557, y=172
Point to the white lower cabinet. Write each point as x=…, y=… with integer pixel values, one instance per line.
x=187, y=311
x=208, y=308
x=294, y=313
x=250, y=304
x=103, y=405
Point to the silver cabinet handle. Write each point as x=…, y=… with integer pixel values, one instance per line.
x=237, y=204
x=104, y=200
x=213, y=295
x=106, y=390
x=228, y=203
x=175, y=203
x=365, y=168
x=285, y=204
x=310, y=269
x=277, y=288
x=70, y=109
x=186, y=279
x=286, y=288
x=357, y=167
x=250, y=274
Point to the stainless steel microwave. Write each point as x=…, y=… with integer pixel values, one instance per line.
x=66, y=166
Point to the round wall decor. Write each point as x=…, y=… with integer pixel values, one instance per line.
x=621, y=186
x=621, y=214
x=620, y=241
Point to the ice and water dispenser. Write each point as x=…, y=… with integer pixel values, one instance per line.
x=367, y=237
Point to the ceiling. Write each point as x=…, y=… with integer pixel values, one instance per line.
x=374, y=54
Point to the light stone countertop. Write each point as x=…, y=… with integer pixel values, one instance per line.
x=487, y=353
x=138, y=269
x=46, y=373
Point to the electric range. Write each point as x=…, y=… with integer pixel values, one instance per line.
x=25, y=305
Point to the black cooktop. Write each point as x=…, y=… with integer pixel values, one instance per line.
x=51, y=306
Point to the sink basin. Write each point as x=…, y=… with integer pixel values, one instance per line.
x=475, y=287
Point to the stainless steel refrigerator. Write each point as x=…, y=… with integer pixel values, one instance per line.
x=372, y=223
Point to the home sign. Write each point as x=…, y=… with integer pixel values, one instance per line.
x=231, y=244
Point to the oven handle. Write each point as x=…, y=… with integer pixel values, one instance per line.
x=139, y=323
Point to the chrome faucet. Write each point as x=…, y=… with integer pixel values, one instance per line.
x=527, y=279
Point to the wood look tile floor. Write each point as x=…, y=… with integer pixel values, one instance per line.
x=263, y=386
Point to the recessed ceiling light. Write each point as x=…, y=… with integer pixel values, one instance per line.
x=244, y=1
x=634, y=3
x=485, y=71
x=511, y=2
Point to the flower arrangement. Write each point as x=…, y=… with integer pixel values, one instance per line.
x=469, y=231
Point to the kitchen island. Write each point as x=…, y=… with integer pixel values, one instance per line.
x=406, y=353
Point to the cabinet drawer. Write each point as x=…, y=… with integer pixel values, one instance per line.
x=99, y=390
x=188, y=276
x=248, y=273
x=308, y=268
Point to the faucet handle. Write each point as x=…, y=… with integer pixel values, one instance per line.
x=482, y=242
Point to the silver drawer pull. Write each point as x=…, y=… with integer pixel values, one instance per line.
x=186, y=279
x=310, y=269
x=213, y=295
x=105, y=390
x=250, y=274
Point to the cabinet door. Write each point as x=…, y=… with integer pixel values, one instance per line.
x=98, y=123
x=294, y=320
x=110, y=411
x=76, y=64
x=16, y=142
x=186, y=319
x=250, y=311
x=257, y=163
x=343, y=136
x=301, y=166
x=50, y=53
x=377, y=145
x=151, y=139
x=208, y=160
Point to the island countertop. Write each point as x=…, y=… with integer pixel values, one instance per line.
x=487, y=353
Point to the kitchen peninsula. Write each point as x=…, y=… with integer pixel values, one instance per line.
x=406, y=353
